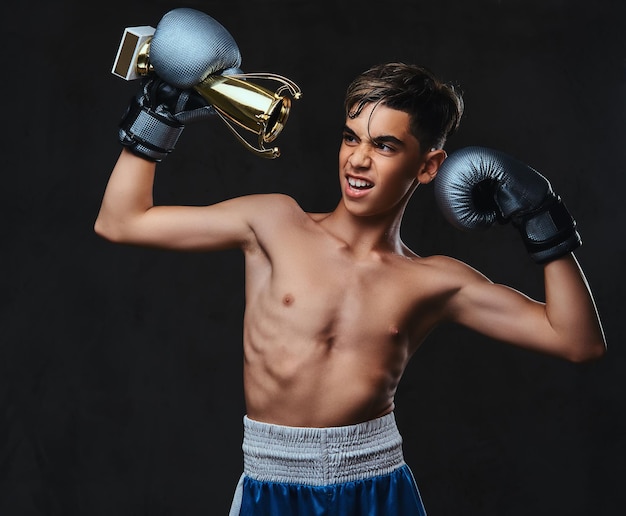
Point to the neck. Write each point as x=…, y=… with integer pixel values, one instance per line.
x=364, y=235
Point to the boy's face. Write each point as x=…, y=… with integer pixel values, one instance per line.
x=379, y=160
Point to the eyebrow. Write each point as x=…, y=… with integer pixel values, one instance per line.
x=385, y=138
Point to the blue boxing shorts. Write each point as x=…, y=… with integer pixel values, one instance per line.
x=339, y=471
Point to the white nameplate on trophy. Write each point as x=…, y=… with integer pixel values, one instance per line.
x=133, y=39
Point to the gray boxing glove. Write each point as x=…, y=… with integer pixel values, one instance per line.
x=156, y=117
x=188, y=46
x=476, y=187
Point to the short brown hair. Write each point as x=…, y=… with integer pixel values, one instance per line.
x=434, y=107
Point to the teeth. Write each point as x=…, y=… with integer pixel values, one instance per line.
x=359, y=183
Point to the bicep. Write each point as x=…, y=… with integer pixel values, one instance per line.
x=224, y=225
x=502, y=313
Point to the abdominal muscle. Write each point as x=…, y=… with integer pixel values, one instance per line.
x=324, y=389
x=333, y=373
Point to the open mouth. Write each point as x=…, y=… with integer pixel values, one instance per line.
x=359, y=184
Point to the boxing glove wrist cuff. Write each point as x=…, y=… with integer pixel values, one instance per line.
x=149, y=134
x=548, y=232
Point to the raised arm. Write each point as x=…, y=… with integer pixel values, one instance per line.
x=128, y=215
x=478, y=186
x=566, y=325
x=149, y=131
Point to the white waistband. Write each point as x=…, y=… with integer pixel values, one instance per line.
x=321, y=456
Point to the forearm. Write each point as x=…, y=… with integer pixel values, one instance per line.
x=128, y=195
x=571, y=310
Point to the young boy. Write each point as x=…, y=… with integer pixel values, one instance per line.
x=336, y=304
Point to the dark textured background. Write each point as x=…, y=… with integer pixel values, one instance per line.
x=120, y=367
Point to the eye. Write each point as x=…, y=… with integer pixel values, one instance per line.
x=384, y=147
x=349, y=138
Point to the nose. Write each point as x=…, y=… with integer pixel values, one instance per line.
x=360, y=157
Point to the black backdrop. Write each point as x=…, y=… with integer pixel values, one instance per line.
x=121, y=367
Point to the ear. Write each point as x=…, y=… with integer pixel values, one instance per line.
x=432, y=161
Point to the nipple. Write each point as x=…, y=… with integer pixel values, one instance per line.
x=288, y=299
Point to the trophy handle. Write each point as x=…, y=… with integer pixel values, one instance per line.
x=244, y=104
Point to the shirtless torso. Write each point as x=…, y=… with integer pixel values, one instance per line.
x=328, y=333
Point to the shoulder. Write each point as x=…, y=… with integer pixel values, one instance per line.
x=444, y=284
x=275, y=207
x=274, y=217
x=450, y=273
x=270, y=200
x=446, y=263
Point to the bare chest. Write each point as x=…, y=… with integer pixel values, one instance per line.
x=317, y=293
